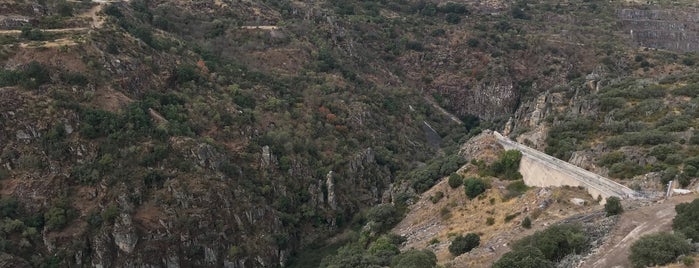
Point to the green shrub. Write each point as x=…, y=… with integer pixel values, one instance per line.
x=8, y=207
x=383, y=216
x=463, y=244
x=474, y=187
x=527, y=223
x=110, y=214
x=687, y=219
x=56, y=218
x=490, y=221
x=529, y=257
x=30, y=33
x=415, y=259
x=556, y=241
x=688, y=261
x=509, y=217
x=613, y=206
x=506, y=167
x=611, y=158
x=455, y=180
x=658, y=249
x=518, y=187
x=437, y=197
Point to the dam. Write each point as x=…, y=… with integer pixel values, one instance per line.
x=541, y=170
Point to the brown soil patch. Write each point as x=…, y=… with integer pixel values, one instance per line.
x=110, y=100
x=632, y=225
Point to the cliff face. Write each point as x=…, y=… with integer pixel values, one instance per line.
x=671, y=29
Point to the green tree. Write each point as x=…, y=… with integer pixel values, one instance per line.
x=383, y=217
x=687, y=219
x=56, y=218
x=525, y=257
x=415, y=259
x=462, y=244
x=474, y=187
x=658, y=249
x=556, y=241
x=527, y=223
x=455, y=180
x=613, y=206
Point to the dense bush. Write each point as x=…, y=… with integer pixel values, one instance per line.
x=658, y=249
x=462, y=244
x=506, y=167
x=556, y=241
x=527, y=223
x=414, y=259
x=613, y=206
x=383, y=217
x=425, y=177
x=30, y=76
x=455, y=180
x=524, y=257
x=474, y=187
x=687, y=219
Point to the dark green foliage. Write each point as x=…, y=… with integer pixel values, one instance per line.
x=453, y=18
x=691, y=90
x=4, y=173
x=658, y=249
x=8, y=207
x=609, y=159
x=517, y=187
x=30, y=76
x=64, y=8
x=651, y=137
x=556, y=241
x=669, y=174
x=455, y=180
x=462, y=244
x=437, y=197
x=383, y=217
x=415, y=259
x=185, y=73
x=244, y=100
x=474, y=187
x=56, y=218
x=30, y=33
x=75, y=79
x=634, y=92
x=325, y=61
x=113, y=10
x=424, y=178
x=527, y=222
x=524, y=257
x=625, y=170
x=613, y=206
x=565, y=135
x=109, y=214
x=379, y=253
x=510, y=217
x=687, y=219
x=506, y=167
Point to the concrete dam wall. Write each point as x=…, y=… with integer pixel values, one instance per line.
x=542, y=170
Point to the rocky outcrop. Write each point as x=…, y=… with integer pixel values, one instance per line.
x=670, y=29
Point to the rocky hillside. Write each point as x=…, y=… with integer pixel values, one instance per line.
x=242, y=133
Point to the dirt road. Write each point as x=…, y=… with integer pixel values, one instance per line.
x=632, y=225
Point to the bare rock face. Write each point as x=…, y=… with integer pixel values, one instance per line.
x=330, y=182
x=124, y=234
x=669, y=29
x=10, y=261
